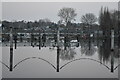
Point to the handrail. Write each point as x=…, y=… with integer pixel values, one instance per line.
x=34, y=58
x=84, y=59
x=4, y=64
x=116, y=67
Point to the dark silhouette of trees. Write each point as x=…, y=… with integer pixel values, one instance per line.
x=6, y=26
x=115, y=15
x=105, y=22
x=109, y=21
x=119, y=29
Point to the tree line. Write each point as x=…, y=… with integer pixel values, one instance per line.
x=107, y=21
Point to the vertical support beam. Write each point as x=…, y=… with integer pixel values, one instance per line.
x=11, y=51
x=15, y=41
x=112, y=62
x=78, y=41
x=65, y=42
x=89, y=43
x=112, y=51
x=112, y=40
x=40, y=41
x=58, y=50
x=31, y=39
x=89, y=33
x=98, y=38
x=11, y=58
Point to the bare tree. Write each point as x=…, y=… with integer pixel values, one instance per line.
x=67, y=14
x=88, y=18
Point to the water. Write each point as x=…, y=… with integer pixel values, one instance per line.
x=89, y=60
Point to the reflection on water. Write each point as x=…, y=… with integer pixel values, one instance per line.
x=67, y=54
x=87, y=48
x=90, y=47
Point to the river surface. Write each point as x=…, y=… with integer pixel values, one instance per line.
x=88, y=60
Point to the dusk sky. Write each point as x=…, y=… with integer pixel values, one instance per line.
x=39, y=10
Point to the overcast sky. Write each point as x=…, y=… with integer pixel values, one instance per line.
x=39, y=10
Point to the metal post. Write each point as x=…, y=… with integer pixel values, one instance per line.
x=58, y=50
x=65, y=42
x=15, y=41
x=39, y=41
x=89, y=33
x=11, y=51
x=89, y=44
x=112, y=51
x=31, y=39
x=112, y=40
x=58, y=58
x=112, y=62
